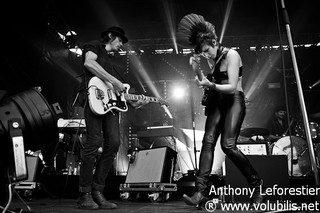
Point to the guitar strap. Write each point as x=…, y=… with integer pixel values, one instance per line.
x=116, y=71
x=214, y=67
x=222, y=51
x=81, y=96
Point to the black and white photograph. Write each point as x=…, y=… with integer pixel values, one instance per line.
x=160, y=106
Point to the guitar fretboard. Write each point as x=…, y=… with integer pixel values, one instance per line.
x=132, y=97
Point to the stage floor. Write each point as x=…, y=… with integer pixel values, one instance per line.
x=69, y=205
x=45, y=199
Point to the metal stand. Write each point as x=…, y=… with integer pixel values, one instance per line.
x=301, y=98
x=194, y=133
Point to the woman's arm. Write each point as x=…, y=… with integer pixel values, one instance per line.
x=233, y=65
x=233, y=61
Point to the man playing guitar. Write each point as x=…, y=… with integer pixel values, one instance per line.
x=102, y=130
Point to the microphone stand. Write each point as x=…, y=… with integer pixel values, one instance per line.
x=194, y=131
x=301, y=98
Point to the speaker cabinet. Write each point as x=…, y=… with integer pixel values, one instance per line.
x=273, y=169
x=152, y=166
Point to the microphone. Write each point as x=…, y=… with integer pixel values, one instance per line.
x=315, y=84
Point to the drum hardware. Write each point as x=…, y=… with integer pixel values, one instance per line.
x=298, y=158
x=295, y=160
x=250, y=132
x=314, y=130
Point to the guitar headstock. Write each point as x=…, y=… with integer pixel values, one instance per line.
x=194, y=61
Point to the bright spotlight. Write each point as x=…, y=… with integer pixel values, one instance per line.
x=178, y=92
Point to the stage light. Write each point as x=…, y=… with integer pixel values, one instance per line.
x=252, y=48
x=37, y=126
x=77, y=51
x=169, y=15
x=179, y=92
x=71, y=39
x=164, y=51
x=186, y=51
x=225, y=20
x=122, y=52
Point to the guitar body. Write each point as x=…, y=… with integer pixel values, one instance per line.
x=102, y=98
x=205, y=97
x=206, y=91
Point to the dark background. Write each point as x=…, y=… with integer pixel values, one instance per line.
x=34, y=55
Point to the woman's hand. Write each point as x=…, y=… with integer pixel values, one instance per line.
x=204, y=82
x=194, y=61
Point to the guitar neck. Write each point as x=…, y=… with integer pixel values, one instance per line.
x=132, y=97
x=197, y=68
x=199, y=74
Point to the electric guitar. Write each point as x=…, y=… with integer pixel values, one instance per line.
x=103, y=99
x=200, y=75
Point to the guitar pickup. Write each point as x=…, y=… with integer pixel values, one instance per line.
x=99, y=94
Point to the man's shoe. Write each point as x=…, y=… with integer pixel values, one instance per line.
x=85, y=201
x=194, y=200
x=101, y=201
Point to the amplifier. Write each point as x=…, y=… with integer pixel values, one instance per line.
x=152, y=166
x=253, y=148
x=273, y=169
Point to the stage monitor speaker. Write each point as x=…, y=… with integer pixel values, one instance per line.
x=152, y=166
x=273, y=169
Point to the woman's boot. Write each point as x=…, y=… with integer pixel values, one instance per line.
x=258, y=193
x=195, y=199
